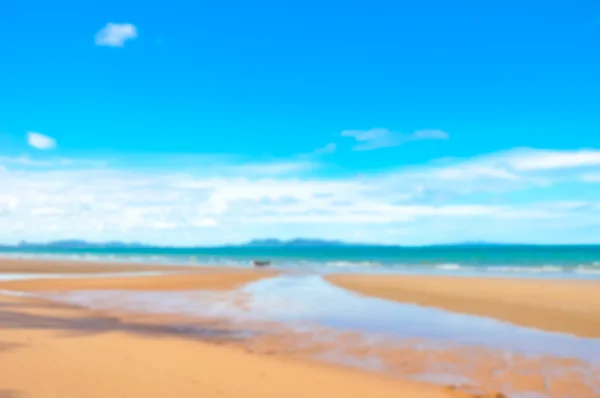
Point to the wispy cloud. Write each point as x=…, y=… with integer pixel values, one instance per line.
x=531, y=160
x=113, y=203
x=50, y=163
x=24, y=160
x=591, y=177
x=40, y=141
x=237, y=200
x=329, y=148
x=268, y=169
x=383, y=138
x=115, y=34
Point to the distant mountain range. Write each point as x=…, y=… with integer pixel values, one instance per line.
x=267, y=243
x=81, y=244
x=76, y=244
x=296, y=243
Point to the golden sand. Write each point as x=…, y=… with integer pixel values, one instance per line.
x=552, y=305
x=175, y=277
x=50, y=351
x=40, y=266
x=184, y=281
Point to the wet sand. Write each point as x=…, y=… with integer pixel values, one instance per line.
x=183, y=281
x=174, y=277
x=72, y=351
x=52, y=266
x=566, y=306
x=48, y=350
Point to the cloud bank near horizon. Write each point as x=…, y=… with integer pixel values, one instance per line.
x=517, y=196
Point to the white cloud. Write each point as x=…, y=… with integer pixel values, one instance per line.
x=114, y=204
x=269, y=168
x=48, y=211
x=23, y=160
x=519, y=166
x=232, y=202
x=428, y=135
x=27, y=161
x=115, y=34
x=329, y=148
x=383, y=138
x=40, y=141
x=591, y=177
x=532, y=160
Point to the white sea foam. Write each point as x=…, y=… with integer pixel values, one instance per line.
x=352, y=264
x=528, y=269
x=451, y=267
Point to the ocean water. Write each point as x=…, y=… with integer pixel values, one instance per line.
x=580, y=262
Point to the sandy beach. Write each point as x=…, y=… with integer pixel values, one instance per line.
x=71, y=351
x=52, y=350
x=48, y=351
x=59, y=266
x=169, y=282
x=150, y=278
x=566, y=306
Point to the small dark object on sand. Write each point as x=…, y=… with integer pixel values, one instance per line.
x=258, y=263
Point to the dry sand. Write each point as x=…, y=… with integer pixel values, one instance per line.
x=52, y=351
x=552, y=305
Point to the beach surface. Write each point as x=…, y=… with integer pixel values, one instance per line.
x=149, y=331
x=49, y=350
x=80, y=275
x=168, y=282
x=60, y=266
x=567, y=306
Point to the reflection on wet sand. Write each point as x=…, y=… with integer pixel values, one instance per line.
x=305, y=317
x=476, y=370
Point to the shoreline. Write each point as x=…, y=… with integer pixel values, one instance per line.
x=59, y=275
x=562, y=306
x=161, y=283
x=43, y=265
x=579, y=271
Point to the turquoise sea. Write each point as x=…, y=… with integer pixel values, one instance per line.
x=493, y=260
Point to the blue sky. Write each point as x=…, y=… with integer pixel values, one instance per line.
x=204, y=123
